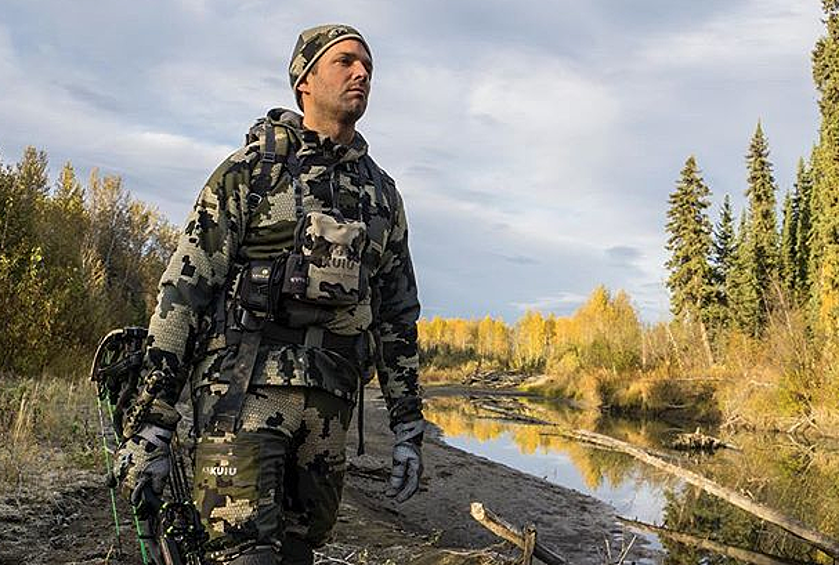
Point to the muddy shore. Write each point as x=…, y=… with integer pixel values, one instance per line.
x=66, y=518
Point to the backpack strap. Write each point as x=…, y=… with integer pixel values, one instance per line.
x=269, y=155
x=227, y=411
x=384, y=191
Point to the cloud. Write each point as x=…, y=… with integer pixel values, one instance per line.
x=535, y=153
x=745, y=34
x=563, y=303
x=517, y=259
x=623, y=255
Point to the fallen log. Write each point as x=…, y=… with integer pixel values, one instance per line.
x=511, y=415
x=794, y=526
x=526, y=540
x=734, y=552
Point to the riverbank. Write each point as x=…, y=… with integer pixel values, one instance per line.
x=56, y=518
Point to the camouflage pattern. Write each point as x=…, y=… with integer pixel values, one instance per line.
x=311, y=44
x=143, y=458
x=279, y=478
x=333, y=250
x=187, y=329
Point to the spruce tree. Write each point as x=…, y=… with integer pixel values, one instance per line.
x=743, y=297
x=760, y=253
x=824, y=251
x=789, y=240
x=722, y=262
x=801, y=201
x=689, y=242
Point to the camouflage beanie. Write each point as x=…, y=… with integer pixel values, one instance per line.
x=313, y=43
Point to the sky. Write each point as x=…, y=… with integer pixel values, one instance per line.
x=534, y=142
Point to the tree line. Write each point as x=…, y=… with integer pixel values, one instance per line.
x=76, y=260
x=754, y=337
x=604, y=332
x=726, y=277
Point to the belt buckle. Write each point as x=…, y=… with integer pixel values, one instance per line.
x=250, y=322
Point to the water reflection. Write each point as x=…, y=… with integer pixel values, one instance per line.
x=795, y=476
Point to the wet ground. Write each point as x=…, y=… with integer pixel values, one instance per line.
x=67, y=519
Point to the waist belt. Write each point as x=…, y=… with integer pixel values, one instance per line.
x=227, y=410
x=351, y=346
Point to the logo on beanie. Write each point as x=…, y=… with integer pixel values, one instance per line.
x=336, y=31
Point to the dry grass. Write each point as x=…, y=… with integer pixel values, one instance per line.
x=47, y=417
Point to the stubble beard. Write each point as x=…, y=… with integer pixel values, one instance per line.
x=349, y=114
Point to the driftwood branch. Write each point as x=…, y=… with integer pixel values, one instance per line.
x=526, y=541
x=739, y=553
x=796, y=527
x=512, y=415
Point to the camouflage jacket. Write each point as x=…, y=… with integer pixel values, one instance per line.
x=187, y=329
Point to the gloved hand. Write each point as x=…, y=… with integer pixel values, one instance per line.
x=142, y=463
x=407, y=460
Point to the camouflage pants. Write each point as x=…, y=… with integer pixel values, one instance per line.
x=275, y=485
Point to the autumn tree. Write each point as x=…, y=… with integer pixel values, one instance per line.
x=74, y=263
x=531, y=340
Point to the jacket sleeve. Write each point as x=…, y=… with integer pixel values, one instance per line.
x=197, y=273
x=397, y=362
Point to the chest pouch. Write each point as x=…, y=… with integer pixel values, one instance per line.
x=326, y=265
x=327, y=269
x=255, y=289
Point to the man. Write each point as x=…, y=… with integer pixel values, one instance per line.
x=291, y=281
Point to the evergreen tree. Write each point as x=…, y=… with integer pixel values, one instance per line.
x=801, y=201
x=789, y=240
x=824, y=251
x=744, y=303
x=689, y=242
x=722, y=262
x=760, y=253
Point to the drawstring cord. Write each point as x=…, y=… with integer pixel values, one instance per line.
x=360, y=450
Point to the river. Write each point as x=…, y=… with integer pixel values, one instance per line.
x=794, y=474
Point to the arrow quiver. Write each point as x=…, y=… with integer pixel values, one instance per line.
x=171, y=534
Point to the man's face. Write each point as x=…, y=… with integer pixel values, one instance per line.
x=339, y=85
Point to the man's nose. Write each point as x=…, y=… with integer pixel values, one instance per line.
x=360, y=72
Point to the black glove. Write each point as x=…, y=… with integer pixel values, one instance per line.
x=407, y=460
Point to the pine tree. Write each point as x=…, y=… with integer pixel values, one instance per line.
x=744, y=303
x=722, y=262
x=760, y=254
x=789, y=239
x=689, y=242
x=824, y=265
x=802, y=197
